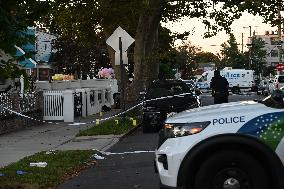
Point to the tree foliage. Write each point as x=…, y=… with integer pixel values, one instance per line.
x=206, y=57
x=181, y=59
x=82, y=26
x=231, y=55
x=257, y=55
x=252, y=59
x=15, y=17
x=80, y=42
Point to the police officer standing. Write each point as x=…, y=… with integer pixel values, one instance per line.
x=220, y=88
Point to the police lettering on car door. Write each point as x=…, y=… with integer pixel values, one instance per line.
x=229, y=120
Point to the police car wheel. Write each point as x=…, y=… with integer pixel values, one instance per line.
x=231, y=170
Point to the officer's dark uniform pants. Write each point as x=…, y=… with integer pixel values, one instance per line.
x=220, y=98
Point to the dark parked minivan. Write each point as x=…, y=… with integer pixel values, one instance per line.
x=163, y=97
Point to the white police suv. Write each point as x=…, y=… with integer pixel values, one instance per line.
x=237, y=145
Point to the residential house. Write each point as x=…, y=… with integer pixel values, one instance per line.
x=40, y=63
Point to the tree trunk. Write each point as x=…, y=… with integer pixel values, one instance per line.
x=146, y=64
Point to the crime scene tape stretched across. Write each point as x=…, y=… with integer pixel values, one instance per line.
x=102, y=119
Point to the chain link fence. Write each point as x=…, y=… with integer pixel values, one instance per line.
x=30, y=104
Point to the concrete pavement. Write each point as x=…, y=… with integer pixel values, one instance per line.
x=19, y=144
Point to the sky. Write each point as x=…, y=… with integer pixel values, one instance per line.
x=213, y=44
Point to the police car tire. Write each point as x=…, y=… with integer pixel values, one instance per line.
x=231, y=164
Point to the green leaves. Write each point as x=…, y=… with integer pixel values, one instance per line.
x=257, y=55
x=16, y=16
x=231, y=56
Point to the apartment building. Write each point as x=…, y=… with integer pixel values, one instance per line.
x=272, y=46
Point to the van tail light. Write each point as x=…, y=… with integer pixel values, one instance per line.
x=277, y=86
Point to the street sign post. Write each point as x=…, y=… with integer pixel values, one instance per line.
x=120, y=40
x=122, y=76
x=126, y=41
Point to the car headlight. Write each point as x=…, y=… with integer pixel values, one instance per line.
x=173, y=130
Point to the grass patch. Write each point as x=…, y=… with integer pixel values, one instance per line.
x=60, y=166
x=114, y=126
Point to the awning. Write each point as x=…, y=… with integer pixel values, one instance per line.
x=28, y=63
x=20, y=51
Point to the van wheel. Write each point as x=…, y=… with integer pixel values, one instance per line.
x=231, y=169
x=235, y=90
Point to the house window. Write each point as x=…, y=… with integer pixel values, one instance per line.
x=274, y=41
x=274, y=63
x=36, y=44
x=52, y=44
x=274, y=53
x=45, y=46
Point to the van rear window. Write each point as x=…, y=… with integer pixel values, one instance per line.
x=281, y=79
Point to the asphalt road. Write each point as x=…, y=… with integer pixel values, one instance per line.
x=136, y=170
x=122, y=171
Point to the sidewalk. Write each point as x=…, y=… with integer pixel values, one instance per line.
x=17, y=145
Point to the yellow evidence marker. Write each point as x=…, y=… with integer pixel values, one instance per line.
x=97, y=121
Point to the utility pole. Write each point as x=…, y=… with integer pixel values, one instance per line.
x=250, y=31
x=249, y=46
x=242, y=43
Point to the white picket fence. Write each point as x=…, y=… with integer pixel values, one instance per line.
x=53, y=105
x=59, y=105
